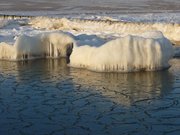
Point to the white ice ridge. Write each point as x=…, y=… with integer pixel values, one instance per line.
x=170, y=30
x=148, y=52
x=38, y=46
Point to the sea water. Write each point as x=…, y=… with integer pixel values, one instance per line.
x=46, y=97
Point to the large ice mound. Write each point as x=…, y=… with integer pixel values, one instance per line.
x=150, y=51
x=39, y=46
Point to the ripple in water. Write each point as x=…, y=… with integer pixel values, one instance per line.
x=46, y=97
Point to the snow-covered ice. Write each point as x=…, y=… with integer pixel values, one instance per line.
x=150, y=51
x=101, y=43
x=39, y=46
x=170, y=30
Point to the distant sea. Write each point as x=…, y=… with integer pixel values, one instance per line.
x=91, y=6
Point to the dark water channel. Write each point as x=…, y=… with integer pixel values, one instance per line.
x=45, y=97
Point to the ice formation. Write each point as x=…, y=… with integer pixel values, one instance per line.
x=150, y=51
x=170, y=30
x=38, y=46
x=3, y=22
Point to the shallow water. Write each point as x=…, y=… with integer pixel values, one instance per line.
x=46, y=97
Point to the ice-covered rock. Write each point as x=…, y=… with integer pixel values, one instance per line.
x=39, y=46
x=150, y=51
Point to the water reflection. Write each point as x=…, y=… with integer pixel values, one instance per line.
x=126, y=88
x=25, y=71
x=47, y=97
x=122, y=88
